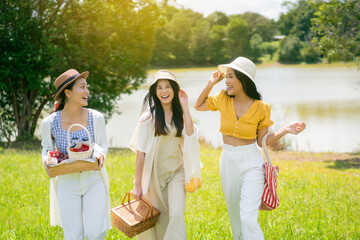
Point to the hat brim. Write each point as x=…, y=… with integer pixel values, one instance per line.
x=156, y=80
x=82, y=75
x=222, y=68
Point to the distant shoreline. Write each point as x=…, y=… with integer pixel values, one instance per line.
x=264, y=64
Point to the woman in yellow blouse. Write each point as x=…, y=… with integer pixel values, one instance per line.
x=245, y=120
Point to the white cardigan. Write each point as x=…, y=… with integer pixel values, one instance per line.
x=144, y=140
x=100, y=147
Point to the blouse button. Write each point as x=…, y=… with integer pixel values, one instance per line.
x=236, y=127
x=234, y=134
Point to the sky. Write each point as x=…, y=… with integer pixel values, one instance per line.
x=268, y=8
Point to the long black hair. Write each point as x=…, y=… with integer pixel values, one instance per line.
x=151, y=100
x=248, y=85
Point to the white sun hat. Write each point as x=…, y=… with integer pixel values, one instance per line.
x=241, y=64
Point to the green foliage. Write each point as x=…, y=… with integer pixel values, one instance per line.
x=42, y=39
x=290, y=50
x=311, y=54
x=270, y=48
x=188, y=38
x=199, y=42
x=255, y=47
x=337, y=28
x=317, y=191
x=260, y=25
x=217, y=49
x=297, y=21
x=218, y=18
x=237, y=38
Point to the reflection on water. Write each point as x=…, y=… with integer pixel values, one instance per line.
x=327, y=99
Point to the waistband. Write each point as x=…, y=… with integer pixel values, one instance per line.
x=241, y=148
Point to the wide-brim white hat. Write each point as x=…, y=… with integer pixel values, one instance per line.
x=241, y=64
x=164, y=74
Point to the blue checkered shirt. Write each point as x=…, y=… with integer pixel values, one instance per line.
x=60, y=135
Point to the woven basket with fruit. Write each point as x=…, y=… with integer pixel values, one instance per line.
x=82, y=150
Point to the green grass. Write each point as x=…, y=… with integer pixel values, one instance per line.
x=319, y=196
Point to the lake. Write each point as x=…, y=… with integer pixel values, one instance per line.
x=327, y=99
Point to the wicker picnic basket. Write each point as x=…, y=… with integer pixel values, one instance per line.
x=134, y=217
x=73, y=167
x=79, y=155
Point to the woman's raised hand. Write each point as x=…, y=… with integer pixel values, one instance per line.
x=216, y=77
x=296, y=128
x=183, y=97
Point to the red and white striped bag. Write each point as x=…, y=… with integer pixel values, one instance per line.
x=270, y=199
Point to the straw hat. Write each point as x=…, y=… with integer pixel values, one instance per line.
x=164, y=74
x=241, y=64
x=66, y=78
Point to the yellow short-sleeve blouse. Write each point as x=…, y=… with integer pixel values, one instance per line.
x=257, y=117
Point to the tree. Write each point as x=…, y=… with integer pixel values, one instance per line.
x=218, y=51
x=290, y=50
x=218, y=18
x=258, y=24
x=297, y=21
x=42, y=39
x=237, y=37
x=311, y=54
x=270, y=48
x=337, y=28
x=180, y=30
x=199, y=42
x=255, y=47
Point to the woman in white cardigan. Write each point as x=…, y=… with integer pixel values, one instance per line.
x=79, y=202
x=164, y=137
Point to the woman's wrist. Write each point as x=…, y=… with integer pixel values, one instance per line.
x=185, y=108
x=211, y=84
x=286, y=130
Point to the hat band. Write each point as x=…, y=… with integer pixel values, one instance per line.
x=67, y=80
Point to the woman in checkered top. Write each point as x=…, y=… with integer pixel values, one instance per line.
x=79, y=202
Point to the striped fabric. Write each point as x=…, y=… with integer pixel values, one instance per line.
x=270, y=199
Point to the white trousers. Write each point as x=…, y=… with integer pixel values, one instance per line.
x=242, y=179
x=82, y=202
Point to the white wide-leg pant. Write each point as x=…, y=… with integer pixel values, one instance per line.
x=82, y=202
x=242, y=179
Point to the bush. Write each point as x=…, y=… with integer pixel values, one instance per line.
x=269, y=48
x=311, y=54
x=290, y=50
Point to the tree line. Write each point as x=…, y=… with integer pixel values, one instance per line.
x=118, y=40
x=312, y=30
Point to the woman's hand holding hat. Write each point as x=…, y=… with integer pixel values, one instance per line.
x=216, y=77
x=183, y=97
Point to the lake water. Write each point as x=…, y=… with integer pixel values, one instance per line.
x=326, y=98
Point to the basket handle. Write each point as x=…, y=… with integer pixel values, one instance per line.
x=142, y=199
x=126, y=194
x=79, y=125
x=150, y=208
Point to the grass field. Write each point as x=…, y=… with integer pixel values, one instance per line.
x=319, y=196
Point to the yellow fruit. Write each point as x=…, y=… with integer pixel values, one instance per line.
x=198, y=182
x=194, y=184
